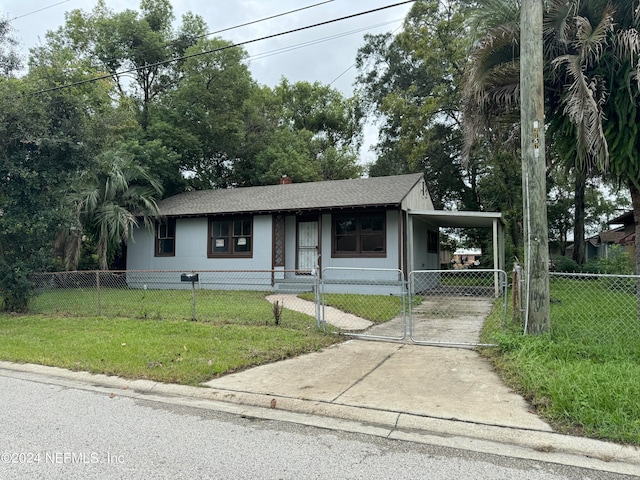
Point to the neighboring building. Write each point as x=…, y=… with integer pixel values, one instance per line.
x=622, y=233
x=466, y=258
x=628, y=226
x=296, y=229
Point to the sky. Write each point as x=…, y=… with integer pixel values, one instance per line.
x=324, y=54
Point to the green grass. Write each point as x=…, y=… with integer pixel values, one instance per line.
x=584, y=377
x=225, y=306
x=376, y=308
x=239, y=332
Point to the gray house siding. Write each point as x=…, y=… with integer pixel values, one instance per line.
x=423, y=259
x=296, y=202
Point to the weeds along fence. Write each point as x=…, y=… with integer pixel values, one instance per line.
x=170, y=295
x=588, y=308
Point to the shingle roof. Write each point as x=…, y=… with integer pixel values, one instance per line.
x=375, y=191
x=625, y=219
x=612, y=236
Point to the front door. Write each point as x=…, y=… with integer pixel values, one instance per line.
x=307, y=245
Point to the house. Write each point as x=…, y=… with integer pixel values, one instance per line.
x=628, y=228
x=621, y=233
x=294, y=229
x=466, y=257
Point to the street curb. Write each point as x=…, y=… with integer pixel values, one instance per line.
x=490, y=439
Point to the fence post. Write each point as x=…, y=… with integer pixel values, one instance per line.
x=98, y=290
x=193, y=301
x=518, y=293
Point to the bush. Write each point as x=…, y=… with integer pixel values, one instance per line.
x=617, y=262
x=15, y=288
x=560, y=263
x=592, y=266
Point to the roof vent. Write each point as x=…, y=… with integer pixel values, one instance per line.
x=285, y=180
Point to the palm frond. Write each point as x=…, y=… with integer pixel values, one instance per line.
x=628, y=48
x=583, y=104
x=558, y=24
x=591, y=41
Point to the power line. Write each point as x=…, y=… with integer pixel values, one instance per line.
x=226, y=29
x=206, y=52
x=259, y=56
x=39, y=10
x=262, y=19
x=354, y=63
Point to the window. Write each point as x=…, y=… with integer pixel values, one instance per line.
x=230, y=237
x=359, y=235
x=432, y=241
x=166, y=238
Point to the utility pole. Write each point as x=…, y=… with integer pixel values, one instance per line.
x=534, y=191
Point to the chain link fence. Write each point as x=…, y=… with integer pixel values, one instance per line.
x=361, y=302
x=265, y=296
x=449, y=307
x=600, y=309
x=433, y=307
x=364, y=302
x=589, y=309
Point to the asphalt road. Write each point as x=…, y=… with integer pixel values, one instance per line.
x=54, y=432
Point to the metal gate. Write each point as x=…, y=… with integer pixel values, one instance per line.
x=435, y=307
x=450, y=307
x=364, y=302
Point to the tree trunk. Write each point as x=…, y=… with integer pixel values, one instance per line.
x=578, y=227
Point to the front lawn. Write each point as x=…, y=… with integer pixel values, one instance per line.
x=155, y=341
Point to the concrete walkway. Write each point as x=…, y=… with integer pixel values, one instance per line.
x=338, y=318
x=452, y=384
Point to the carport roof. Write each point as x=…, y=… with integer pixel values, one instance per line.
x=458, y=219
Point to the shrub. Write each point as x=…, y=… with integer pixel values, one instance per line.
x=560, y=263
x=617, y=262
x=15, y=288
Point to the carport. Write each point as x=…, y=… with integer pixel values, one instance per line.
x=459, y=219
x=455, y=302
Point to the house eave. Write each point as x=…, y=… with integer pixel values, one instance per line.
x=294, y=211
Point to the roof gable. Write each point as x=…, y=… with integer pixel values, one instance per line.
x=359, y=192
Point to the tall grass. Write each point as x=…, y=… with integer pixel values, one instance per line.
x=584, y=377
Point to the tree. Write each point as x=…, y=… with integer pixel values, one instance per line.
x=142, y=43
x=202, y=120
x=107, y=203
x=45, y=138
x=9, y=59
x=328, y=121
x=145, y=46
x=591, y=75
x=411, y=84
x=585, y=43
x=306, y=131
x=40, y=148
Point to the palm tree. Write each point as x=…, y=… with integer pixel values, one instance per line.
x=107, y=205
x=592, y=84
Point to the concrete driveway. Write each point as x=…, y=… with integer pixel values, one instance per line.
x=438, y=382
